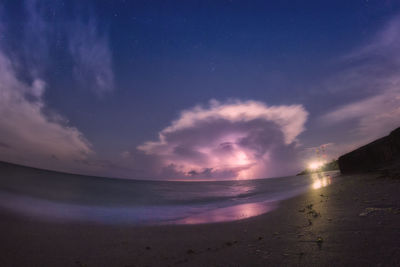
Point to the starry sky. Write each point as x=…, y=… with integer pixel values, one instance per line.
x=195, y=89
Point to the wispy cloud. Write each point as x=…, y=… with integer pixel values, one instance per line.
x=86, y=45
x=372, y=70
x=232, y=139
x=28, y=134
x=92, y=56
x=36, y=44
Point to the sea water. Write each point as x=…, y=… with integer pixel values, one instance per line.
x=65, y=197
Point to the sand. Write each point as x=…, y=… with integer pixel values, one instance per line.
x=355, y=221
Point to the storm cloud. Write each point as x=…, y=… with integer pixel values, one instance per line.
x=234, y=139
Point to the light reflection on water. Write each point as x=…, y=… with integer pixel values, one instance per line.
x=120, y=202
x=232, y=213
x=320, y=180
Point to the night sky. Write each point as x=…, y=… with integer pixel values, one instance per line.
x=195, y=89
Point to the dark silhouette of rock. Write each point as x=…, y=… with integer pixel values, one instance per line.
x=373, y=156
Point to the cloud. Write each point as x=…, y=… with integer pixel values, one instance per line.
x=372, y=70
x=85, y=44
x=375, y=116
x=28, y=135
x=30, y=132
x=227, y=140
x=92, y=57
x=37, y=34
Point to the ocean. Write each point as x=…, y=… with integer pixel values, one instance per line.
x=60, y=197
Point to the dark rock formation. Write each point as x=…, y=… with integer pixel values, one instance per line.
x=373, y=156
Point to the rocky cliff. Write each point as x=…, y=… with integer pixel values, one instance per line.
x=378, y=154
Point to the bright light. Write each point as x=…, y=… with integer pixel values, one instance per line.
x=241, y=159
x=315, y=165
x=320, y=181
x=317, y=184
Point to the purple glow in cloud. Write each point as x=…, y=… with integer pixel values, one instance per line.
x=236, y=139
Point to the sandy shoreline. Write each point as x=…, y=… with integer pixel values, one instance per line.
x=322, y=227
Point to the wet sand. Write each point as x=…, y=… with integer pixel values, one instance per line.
x=355, y=221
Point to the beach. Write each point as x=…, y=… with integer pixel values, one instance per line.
x=354, y=221
x=193, y=133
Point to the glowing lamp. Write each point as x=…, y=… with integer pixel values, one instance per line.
x=315, y=165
